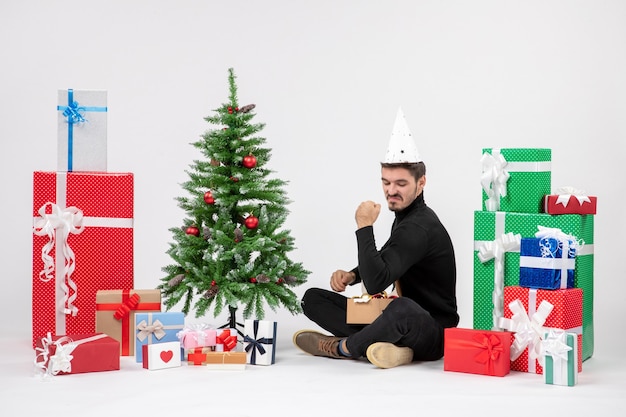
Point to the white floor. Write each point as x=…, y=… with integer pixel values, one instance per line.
x=298, y=384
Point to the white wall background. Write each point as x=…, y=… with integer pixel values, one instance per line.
x=327, y=78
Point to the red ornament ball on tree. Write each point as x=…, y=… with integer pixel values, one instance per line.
x=252, y=222
x=208, y=198
x=249, y=161
x=253, y=280
x=193, y=230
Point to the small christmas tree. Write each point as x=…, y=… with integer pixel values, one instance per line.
x=231, y=250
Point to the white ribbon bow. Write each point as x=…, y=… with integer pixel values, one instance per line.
x=494, y=178
x=568, y=243
x=565, y=193
x=495, y=250
x=528, y=330
x=196, y=330
x=57, y=226
x=145, y=330
x=555, y=345
x=60, y=361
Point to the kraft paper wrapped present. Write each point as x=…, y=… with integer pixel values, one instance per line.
x=82, y=130
x=366, y=308
x=76, y=216
x=259, y=341
x=116, y=310
x=161, y=355
x=473, y=351
x=75, y=354
x=209, y=358
x=197, y=335
x=569, y=200
x=560, y=351
x=529, y=313
x=153, y=328
x=493, y=235
x=548, y=262
x=515, y=179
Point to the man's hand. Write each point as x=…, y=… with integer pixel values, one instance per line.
x=366, y=214
x=340, y=279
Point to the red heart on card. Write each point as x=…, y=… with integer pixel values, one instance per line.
x=167, y=356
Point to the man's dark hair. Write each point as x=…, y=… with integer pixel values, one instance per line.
x=417, y=169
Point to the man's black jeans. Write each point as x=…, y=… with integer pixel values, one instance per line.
x=403, y=323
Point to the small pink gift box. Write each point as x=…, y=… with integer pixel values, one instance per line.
x=199, y=335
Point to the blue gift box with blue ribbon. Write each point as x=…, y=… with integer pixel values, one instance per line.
x=259, y=342
x=547, y=263
x=82, y=130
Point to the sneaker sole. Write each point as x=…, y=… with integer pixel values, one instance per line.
x=387, y=355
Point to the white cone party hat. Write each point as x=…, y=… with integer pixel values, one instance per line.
x=402, y=147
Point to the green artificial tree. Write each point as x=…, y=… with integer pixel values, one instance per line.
x=232, y=250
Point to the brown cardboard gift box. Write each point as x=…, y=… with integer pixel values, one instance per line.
x=115, y=314
x=365, y=309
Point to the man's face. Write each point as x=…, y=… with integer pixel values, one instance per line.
x=400, y=188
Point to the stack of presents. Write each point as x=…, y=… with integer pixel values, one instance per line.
x=533, y=274
x=86, y=313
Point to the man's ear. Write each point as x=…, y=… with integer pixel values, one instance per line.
x=422, y=181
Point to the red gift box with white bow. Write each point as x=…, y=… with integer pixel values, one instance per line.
x=529, y=313
x=568, y=200
x=75, y=354
x=82, y=243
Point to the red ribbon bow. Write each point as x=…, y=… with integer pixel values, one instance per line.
x=124, y=309
x=490, y=350
x=227, y=339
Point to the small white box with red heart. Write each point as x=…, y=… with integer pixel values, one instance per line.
x=161, y=355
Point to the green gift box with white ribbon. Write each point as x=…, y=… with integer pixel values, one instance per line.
x=559, y=351
x=497, y=262
x=515, y=179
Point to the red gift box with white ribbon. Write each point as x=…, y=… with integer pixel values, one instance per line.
x=82, y=243
x=529, y=313
x=568, y=200
x=75, y=354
